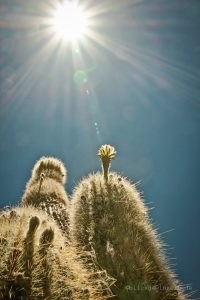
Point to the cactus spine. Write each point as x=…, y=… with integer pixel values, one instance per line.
x=110, y=219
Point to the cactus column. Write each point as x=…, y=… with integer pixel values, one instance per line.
x=110, y=219
x=45, y=190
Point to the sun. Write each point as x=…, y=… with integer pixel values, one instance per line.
x=70, y=21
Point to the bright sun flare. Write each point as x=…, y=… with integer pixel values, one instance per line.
x=70, y=21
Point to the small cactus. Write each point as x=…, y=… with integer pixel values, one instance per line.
x=46, y=240
x=45, y=190
x=26, y=259
x=109, y=219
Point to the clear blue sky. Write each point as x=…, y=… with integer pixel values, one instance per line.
x=135, y=84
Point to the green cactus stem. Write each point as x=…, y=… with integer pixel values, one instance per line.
x=46, y=272
x=29, y=245
x=109, y=219
x=45, y=191
x=28, y=254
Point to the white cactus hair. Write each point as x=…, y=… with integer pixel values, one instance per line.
x=51, y=167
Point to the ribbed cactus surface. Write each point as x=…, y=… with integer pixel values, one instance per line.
x=109, y=218
x=45, y=190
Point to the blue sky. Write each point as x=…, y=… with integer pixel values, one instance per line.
x=134, y=83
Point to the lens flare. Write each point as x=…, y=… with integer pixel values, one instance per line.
x=80, y=77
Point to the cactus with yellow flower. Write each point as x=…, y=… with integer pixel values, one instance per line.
x=99, y=245
x=109, y=218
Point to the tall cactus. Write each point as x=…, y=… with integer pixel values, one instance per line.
x=110, y=219
x=45, y=190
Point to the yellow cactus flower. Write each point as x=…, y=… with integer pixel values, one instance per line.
x=106, y=153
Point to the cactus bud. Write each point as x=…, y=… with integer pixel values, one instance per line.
x=106, y=154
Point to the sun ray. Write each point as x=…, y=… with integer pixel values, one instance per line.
x=104, y=20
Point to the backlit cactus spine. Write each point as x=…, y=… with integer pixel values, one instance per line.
x=109, y=218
